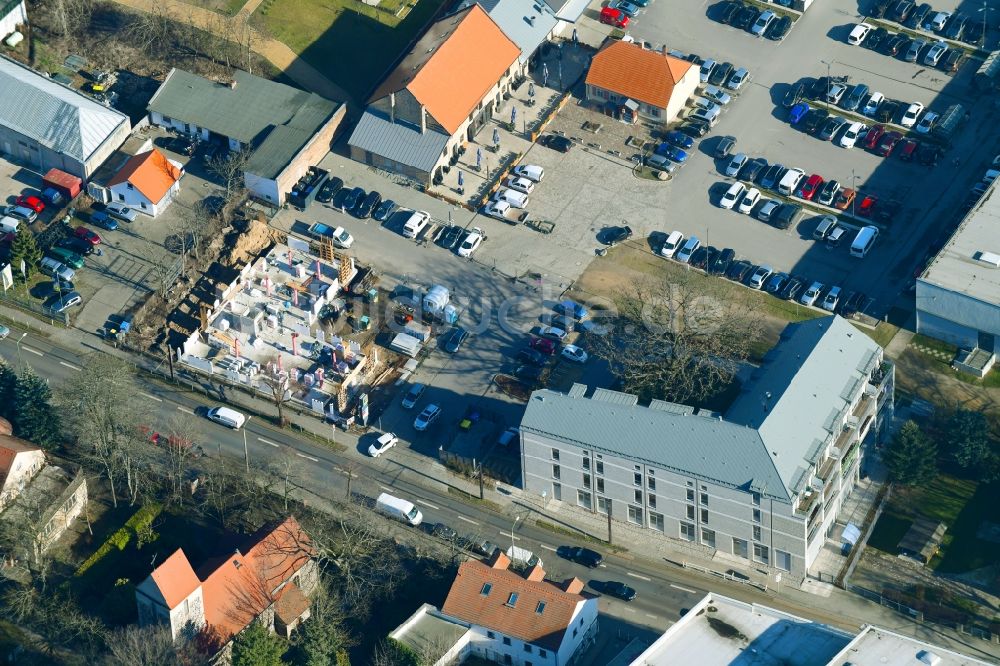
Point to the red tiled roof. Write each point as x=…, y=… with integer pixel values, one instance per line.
x=151, y=173
x=526, y=618
x=175, y=579
x=9, y=448
x=641, y=74
x=291, y=604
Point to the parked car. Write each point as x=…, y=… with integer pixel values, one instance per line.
x=759, y=276
x=690, y=245
x=619, y=590
x=706, y=70
x=616, y=235
x=520, y=184
x=872, y=103
x=749, y=200
x=937, y=21
x=328, y=190
x=86, y=234
x=574, y=354
x=934, y=53
x=828, y=192
x=694, y=128
x=786, y=215
x=121, y=211
x=831, y=127
x=775, y=283
x=708, y=116
x=738, y=270
x=385, y=210
x=737, y=162
x=763, y=22
x=798, y=112
x=530, y=171
x=956, y=26
x=585, y=556
x=628, y=8
x=852, y=101
x=614, y=17
x=717, y=96
x=30, y=201
x=23, y=213
x=873, y=136
x=809, y=188
x=738, y=78
x=413, y=396
x=103, y=220
x=59, y=303
x=385, y=442
x=913, y=52
x=779, y=29
x=772, y=176
x=752, y=170
x=767, y=210
x=792, y=288
x=721, y=74
x=471, y=242
x=733, y=195
x=844, y=199
x=794, y=95
x=836, y=92
x=888, y=143
x=532, y=357
x=458, y=336
x=427, y=417
x=858, y=34
x=453, y=233
x=815, y=120
x=721, y=261
x=927, y=123
x=902, y=10
x=560, y=144
x=831, y=299
x=367, y=205
x=851, y=134
x=724, y=147
x=811, y=294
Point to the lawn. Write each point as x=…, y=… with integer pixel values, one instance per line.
x=350, y=42
x=226, y=7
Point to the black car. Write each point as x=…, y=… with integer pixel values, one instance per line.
x=556, y=142
x=354, y=198
x=902, y=10
x=973, y=33
x=814, y=120
x=746, y=17
x=918, y=15
x=531, y=374
x=449, y=236
x=724, y=147
x=385, y=210
x=694, y=128
x=794, y=95
x=728, y=11
x=616, y=235
x=792, y=288
x=887, y=111
x=779, y=29
x=875, y=37
x=848, y=305
x=443, y=531
x=532, y=356
x=772, y=176
x=584, y=556
x=721, y=263
x=620, y=590
x=721, y=74
x=956, y=26
x=775, y=282
x=928, y=155
x=367, y=205
x=738, y=270
x=952, y=60
x=896, y=44
x=786, y=215
x=823, y=84
x=702, y=256
x=879, y=9
x=78, y=245
x=455, y=339
x=753, y=169
x=328, y=190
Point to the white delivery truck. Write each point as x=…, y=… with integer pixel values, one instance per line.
x=523, y=556
x=400, y=509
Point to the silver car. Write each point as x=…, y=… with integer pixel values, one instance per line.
x=763, y=22
x=717, y=95
x=738, y=78
x=736, y=163
x=121, y=211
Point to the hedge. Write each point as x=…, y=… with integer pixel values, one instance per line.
x=141, y=520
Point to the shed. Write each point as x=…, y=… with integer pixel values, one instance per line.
x=922, y=541
x=66, y=184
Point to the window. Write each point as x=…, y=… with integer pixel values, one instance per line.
x=755, y=497
x=583, y=499
x=690, y=495
x=651, y=472
x=121, y=197
x=556, y=472
x=555, y=454
x=586, y=480
x=603, y=505
x=687, y=531
x=760, y=553
x=586, y=463
x=600, y=485
x=487, y=587
x=704, y=487
x=708, y=538
x=542, y=653
x=651, y=483
x=656, y=521
x=690, y=511
x=574, y=633
x=783, y=560
x=651, y=500
x=704, y=499
x=143, y=204
x=638, y=468
x=637, y=478
x=704, y=515
x=635, y=515
x=756, y=515
x=600, y=467
x=739, y=548
x=512, y=599
x=540, y=608
x=527, y=648
x=756, y=532
x=490, y=634
x=557, y=491
x=130, y=186
x=638, y=497
x=690, y=484
x=506, y=640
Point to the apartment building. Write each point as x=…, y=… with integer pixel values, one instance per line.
x=764, y=483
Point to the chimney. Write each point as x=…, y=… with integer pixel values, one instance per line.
x=392, y=107
x=499, y=560
x=535, y=574
x=423, y=119
x=572, y=585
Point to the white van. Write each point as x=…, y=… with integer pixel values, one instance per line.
x=398, y=508
x=227, y=417
x=790, y=181
x=523, y=556
x=416, y=223
x=864, y=241
x=53, y=268
x=670, y=245
x=513, y=197
x=530, y=171
x=8, y=225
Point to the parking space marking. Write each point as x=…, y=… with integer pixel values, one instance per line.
x=186, y=410
x=547, y=547
x=69, y=365
x=33, y=351
x=429, y=505
x=468, y=520
x=267, y=441
x=151, y=397
x=302, y=455
x=635, y=575
x=683, y=589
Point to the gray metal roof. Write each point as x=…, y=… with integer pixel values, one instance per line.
x=398, y=141
x=710, y=449
x=528, y=23
x=246, y=110
x=568, y=10
x=59, y=118
x=284, y=142
x=795, y=398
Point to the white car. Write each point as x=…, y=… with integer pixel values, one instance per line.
x=497, y=209
x=717, y=95
x=704, y=103
x=121, y=211
x=471, y=242
x=851, y=135
x=671, y=243
x=574, y=354
x=706, y=70
x=812, y=293
x=4, y=331
x=342, y=239
x=750, y=199
x=858, y=34
x=935, y=53
x=830, y=302
x=874, y=101
x=710, y=116
x=762, y=23
x=733, y=195
x=927, y=122
x=382, y=444
x=937, y=21
x=835, y=92
x=520, y=184
x=530, y=171
x=911, y=115
x=760, y=276
x=426, y=418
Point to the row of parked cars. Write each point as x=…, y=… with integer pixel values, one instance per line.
x=355, y=200
x=918, y=50
x=957, y=26
x=758, y=22
x=514, y=194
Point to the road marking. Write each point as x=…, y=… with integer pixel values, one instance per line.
x=507, y=534
x=683, y=589
x=186, y=410
x=385, y=488
x=547, y=547
x=651, y=616
x=630, y=610
x=467, y=520
x=267, y=441
x=629, y=573
x=33, y=351
x=429, y=505
x=603, y=566
x=151, y=397
x=302, y=455
x=69, y=365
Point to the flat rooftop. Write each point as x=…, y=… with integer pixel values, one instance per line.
x=427, y=632
x=958, y=266
x=879, y=647
x=720, y=631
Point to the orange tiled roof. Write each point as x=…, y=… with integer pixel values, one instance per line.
x=454, y=65
x=522, y=619
x=10, y=446
x=175, y=579
x=641, y=74
x=151, y=173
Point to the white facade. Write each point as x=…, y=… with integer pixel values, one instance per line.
x=126, y=193
x=18, y=15
x=23, y=467
x=188, y=615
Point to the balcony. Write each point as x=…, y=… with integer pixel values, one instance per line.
x=880, y=377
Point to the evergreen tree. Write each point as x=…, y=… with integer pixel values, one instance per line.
x=24, y=248
x=34, y=419
x=320, y=644
x=257, y=646
x=912, y=456
x=8, y=381
x=968, y=438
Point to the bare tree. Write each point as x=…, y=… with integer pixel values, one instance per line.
x=152, y=645
x=277, y=385
x=152, y=31
x=229, y=168
x=164, y=269
x=22, y=544
x=678, y=339
x=57, y=624
x=235, y=497
x=178, y=449
x=71, y=16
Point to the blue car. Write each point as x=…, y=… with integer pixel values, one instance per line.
x=675, y=153
x=798, y=112
x=679, y=139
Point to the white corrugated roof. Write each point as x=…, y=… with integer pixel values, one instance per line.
x=58, y=117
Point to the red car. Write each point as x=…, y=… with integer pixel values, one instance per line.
x=544, y=345
x=615, y=17
x=908, y=149
x=888, y=142
x=810, y=187
x=874, y=136
x=86, y=234
x=32, y=202
x=867, y=205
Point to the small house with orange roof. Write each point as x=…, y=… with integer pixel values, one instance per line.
x=443, y=92
x=147, y=182
x=635, y=82
x=269, y=578
x=20, y=461
x=505, y=617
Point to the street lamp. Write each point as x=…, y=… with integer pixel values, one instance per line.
x=985, y=12
x=827, y=63
x=246, y=451
x=512, y=525
x=18, y=343
x=854, y=186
